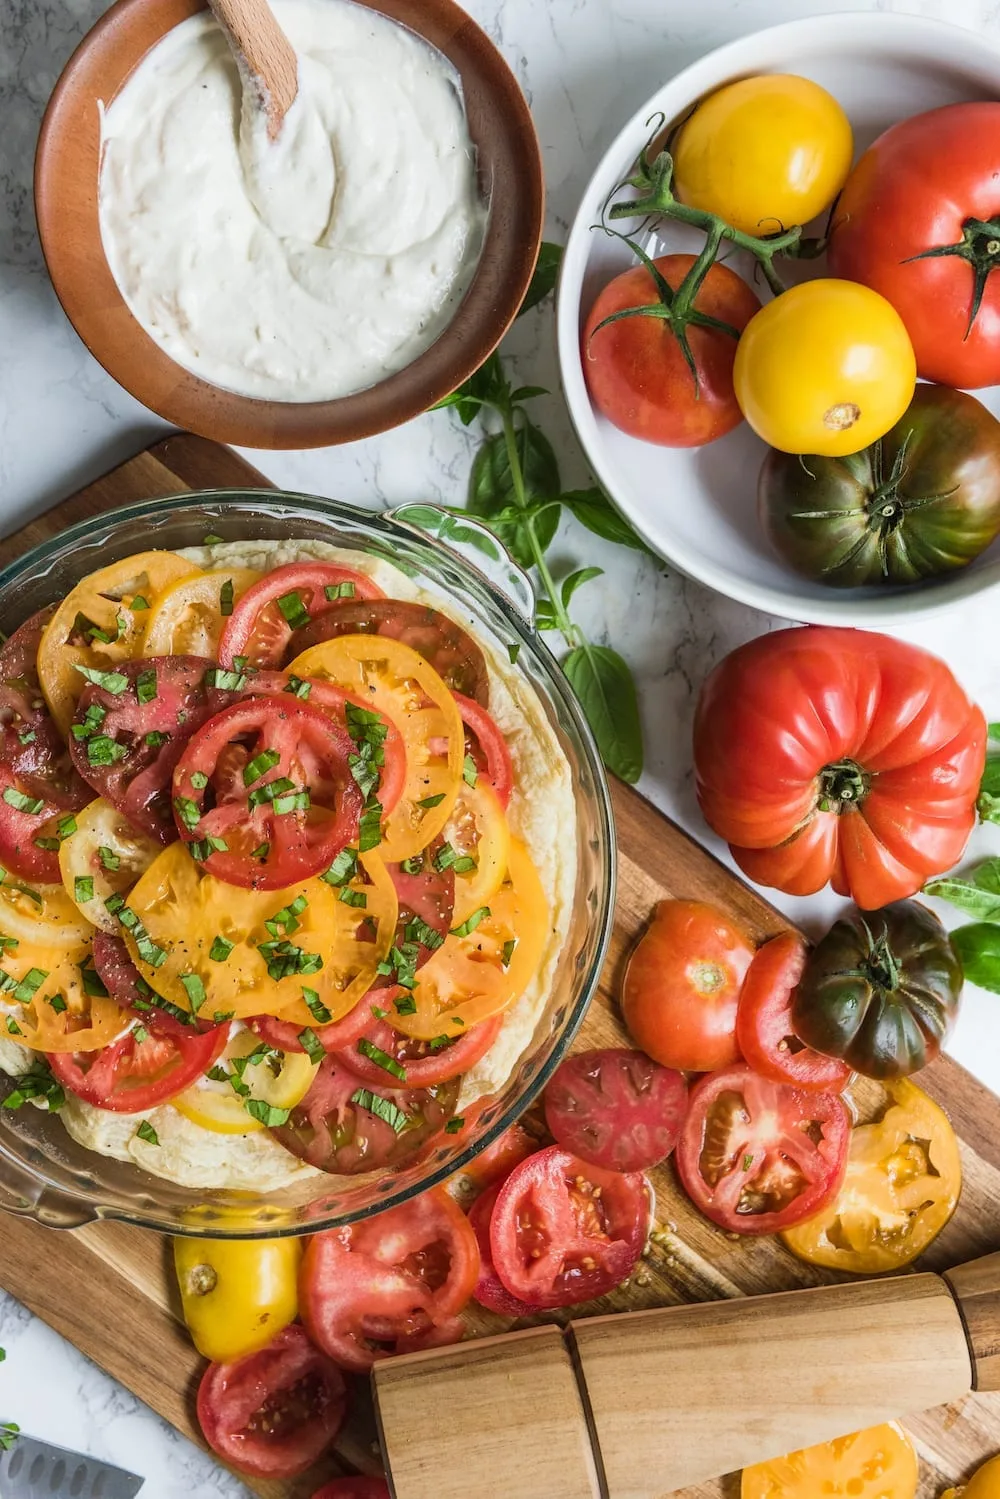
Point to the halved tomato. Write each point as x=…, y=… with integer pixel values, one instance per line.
x=273, y=1081
x=263, y=627
x=384, y=1058
x=487, y=748
x=189, y=617
x=616, y=1109
x=764, y=1031
x=139, y=1070
x=104, y=855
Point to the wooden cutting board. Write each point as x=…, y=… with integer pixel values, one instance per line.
x=128, y=1319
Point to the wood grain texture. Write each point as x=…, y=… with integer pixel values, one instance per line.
x=264, y=52
x=976, y=1288
x=688, y=1259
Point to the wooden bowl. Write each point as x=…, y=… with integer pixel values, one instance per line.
x=66, y=180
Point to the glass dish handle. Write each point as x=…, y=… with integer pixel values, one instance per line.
x=475, y=544
x=20, y=1195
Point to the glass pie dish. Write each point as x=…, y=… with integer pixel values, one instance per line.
x=48, y=1176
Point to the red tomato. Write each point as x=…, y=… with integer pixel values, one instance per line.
x=126, y=743
x=131, y=1076
x=487, y=747
x=498, y=1160
x=635, y=368
x=927, y=184
x=273, y=1413
x=824, y=754
x=490, y=1290
x=756, y=1156
x=270, y=780
x=354, y=1488
x=563, y=1232
x=125, y=983
x=31, y=746
x=682, y=985
x=616, y=1109
x=398, y=1276
x=261, y=628
x=28, y=824
x=333, y=1037
x=764, y=1021
x=449, y=649
x=422, y=1062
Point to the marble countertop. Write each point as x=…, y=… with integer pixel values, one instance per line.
x=584, y=64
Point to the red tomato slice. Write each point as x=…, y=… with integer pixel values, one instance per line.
x=345, y=1127
x=451, y=651
x=130, y=1075
x=498, y=1160
x=125, y=744
x=272, y=612
x=490, y=1290
x=756, y=1156
x=764, y=1021
x=269, y=781
x=31, y=746
x=126, y=984
x=423, y=1063
x=333, y=1037
x=354, y=1488
x=487, y=747
x=28, y=825
x=555, y=1239
x=273, y=1413
x=616, y=1109
x=399, y=1275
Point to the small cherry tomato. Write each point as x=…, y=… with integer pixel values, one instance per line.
x=237, y=1294
x=764, y=1031
x=682, y=985
x=616, y=1109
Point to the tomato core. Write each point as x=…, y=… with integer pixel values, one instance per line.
x=707, y=978
x=843, y=784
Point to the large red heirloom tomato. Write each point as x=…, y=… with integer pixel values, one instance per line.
x=837, y=755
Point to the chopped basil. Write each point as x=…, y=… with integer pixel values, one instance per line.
x=455, y=1125
x=9, y=884
x=267, y=1113
x=469, y=925
x=83, y=887
x=513, y=652
x=198, y=779
x=293, y=609
x=381, y=1058
x=145, y=1131
x=343, y=868
x=109, y=859
x=218, y=1075
x=405, y=1005
x=148, y=950
x=431, y=801
x=469, y=773
x=145, y=685
x=25, y=990
x=292, y=801
x=227, y=681
x=316, y=1007
x=138, y=604
x=401, y=965
x=220, y=949
x=352, y=897
x=261, y=851
x=188, y=811
x=379, y=1013
x=13, y=1027
x=286, y=921
x=284, y=959
x=262, y=794
x=9, y=942
x=221, y=1016
x=9, y=1433
x=194, y=988
x=311, y=1044
x=413, y=865
x=22, y=803
x=94, y=716
x=417, y=930
x=259, y=765
x=297, y=687
x=66, y=827
x=382, y=1108
x=226, y=597
x=114, y=682
x=114, y=904
x=447, y=858
x=57, y=1001
x=156, y=737
x=507, y=951
x=139, y=1034
x=335, y=591
x=92, y=983
x=203, y=848
x=370, y=827
x=51, y=845
x=438, y=1043
x=747, y=1162
x=103, y=750
x=28, y=737
x=39, y=1083
x=211, y=540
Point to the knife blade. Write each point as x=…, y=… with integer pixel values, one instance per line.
x=31, y=1469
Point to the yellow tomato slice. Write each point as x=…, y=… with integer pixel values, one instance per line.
x=43, y=915
x=105, y=856
x=101, y=622
x=217, y=1106
x=44, y=990
x=877, y=1463
x=478, y=830
x=396, y=681
x=270, y=944
x=471, y=977
x=189, y=617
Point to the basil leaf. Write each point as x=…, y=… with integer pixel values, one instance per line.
x=544, y=278
x=604, y=685
x=576, y=580
x=145, y=1131
x=979, y=895
x=978, y=949
x=486, y=387
x=491, y=490
x=267, y=1113
x=595, y=512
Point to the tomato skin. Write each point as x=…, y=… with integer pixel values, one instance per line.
x=824, y=754
x=19, y=852
x=123, y=982
x=912, y=191
x=130, y=1076
x=616, y=1109
x=488, y=748
x=257, y=628
x=490, y=1290
x=764, y=1020
x=284, y=1034
x=745, y=1141
x=236, y=1294
x=424, y=1067
x=682, y=985
x=827, y=368
x=635, y=369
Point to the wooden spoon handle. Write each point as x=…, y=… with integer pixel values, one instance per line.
x=260, y=44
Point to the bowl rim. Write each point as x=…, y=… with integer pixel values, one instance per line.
x=935, y=39
x=76, y=1207
x=65, y=201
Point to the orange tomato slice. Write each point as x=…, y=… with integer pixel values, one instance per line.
x=189, y=617
x=478, y=830
x=877, y=1463
x=45, y=991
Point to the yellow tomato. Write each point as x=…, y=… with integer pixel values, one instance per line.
x=478, y=830
x=271, y=946
x=277, y=1079
x=189, y=617
x=825, y=368
x=764, y=153
x=102, y=622
x=104, y=856
x=54, y=1000
x=237, y=1294
x=479, y=973
x=984, y=1483
x=396, y=681
x=42, y=915
x=877, y=1463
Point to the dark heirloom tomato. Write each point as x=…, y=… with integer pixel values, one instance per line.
x=264, y=627
x=426, y=899
x=389, y=1284
x=132, y=1075
x=562, y=1232
x=125, y=743
x=276, y=1411
x=756, y=1156
x=764, y=1029
x=31, y=746
x=490, y=1290
x=880, y=990
x=424, y=1063
x=922, y=501
x=842, y=755
x=617, y=1109
x=125, y=983
x=28, y=823
x=444, y=645
x=487, y=747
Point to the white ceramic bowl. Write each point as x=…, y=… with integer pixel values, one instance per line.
x=697, y=506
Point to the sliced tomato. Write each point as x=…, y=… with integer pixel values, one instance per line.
x=287, y=1036
x=616, y=1109
x=189, y=617
x=354, y=1488
x=29, y=830
x=381, y=1053
x=398, y=1276
x=280, y=1080
x=266, y=625
x=345, y=1127
x=490, y=1290
x=444, y=645
x=562, y=1231
x=426, y=898
x=756, y=1156
x=31, y=746
x=139, y=1070
x=487, y=747
x=764, y=1031
x=264, y=795
x=479, y=844
x=126, y=985
x=102, y=855
x=498, y=1160
x=273, y=1413
x=128, y=734
x=56, y=1000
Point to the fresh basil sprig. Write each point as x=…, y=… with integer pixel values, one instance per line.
x=988, y=804
x=515, y=488
x=978, y=943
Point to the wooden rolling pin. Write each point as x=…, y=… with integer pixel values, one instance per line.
x=636, y=1405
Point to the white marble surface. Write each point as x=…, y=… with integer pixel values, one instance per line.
x=585, y=65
